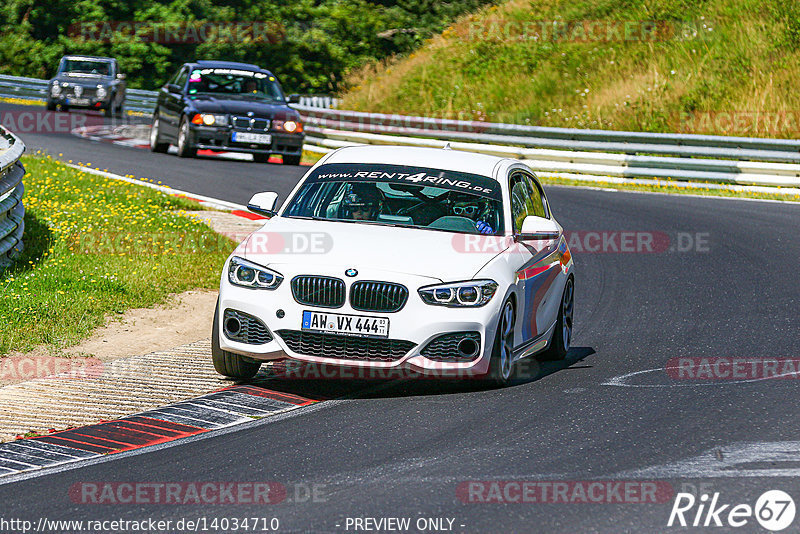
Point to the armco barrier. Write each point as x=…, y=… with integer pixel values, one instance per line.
x=138, y=100
x=12, y=211
x=715, y=158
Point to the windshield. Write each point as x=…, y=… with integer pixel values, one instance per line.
x=86, y=66
x=233, y=83
x=400, y=195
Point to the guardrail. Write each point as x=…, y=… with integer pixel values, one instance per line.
x=12, y=211
x=742, y=160
x=138, y=100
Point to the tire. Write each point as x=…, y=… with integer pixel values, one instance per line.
x=562, y=333
x=51, y=106
x=109, y=111
x=185, y=149
x=227, y=363
x=501, y=367
x=120, y=111
x=261, y=158
x=291, y=160
x=156, y=144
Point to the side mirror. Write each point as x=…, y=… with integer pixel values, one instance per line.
x=173, y=88
x=294, y=99
x=264, y=204
x=121, y=76
x=538, y=228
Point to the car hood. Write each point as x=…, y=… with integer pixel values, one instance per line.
x=212, y=104
x=367, y=247
x=86, y=80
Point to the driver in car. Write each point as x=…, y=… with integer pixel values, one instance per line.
x=472, y=210
x=250, y=86
x=362, y=203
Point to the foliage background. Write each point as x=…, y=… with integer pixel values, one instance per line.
x=321, y=40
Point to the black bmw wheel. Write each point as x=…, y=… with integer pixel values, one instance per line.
x=185, y=148
x=156, y=144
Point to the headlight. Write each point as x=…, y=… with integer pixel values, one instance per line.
x=288, y=126
x=101, y=91
x=209, y=119
x=56, y=89
x=473, y=293
x=248, y=274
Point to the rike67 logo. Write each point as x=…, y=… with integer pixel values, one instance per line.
x=774, y=510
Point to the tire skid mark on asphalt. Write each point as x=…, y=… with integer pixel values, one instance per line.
x=220, y=409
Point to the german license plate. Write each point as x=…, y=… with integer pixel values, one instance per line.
x=249, y=137
x=78, y=101
x=349, y=325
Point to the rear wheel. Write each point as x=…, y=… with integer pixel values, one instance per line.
x=51, y=106
x=291, y=160
x=156, y=144
x=501, y=366
x=227, y=363
x=109, y=111
x=185, y=148
x=562, y=333
x=261, y=158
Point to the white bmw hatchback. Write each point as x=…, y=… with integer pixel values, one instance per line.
x=431, y=260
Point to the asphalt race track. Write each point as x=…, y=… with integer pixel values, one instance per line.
x=722, y=282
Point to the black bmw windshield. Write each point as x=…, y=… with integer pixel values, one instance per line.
x=235, y=84
x=399, y=195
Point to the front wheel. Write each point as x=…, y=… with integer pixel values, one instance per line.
x=562, y=333
x=51, y=106
x=156, y=144
x=227, y=363
x=185, y=148
x=291, y=160
x=501, y=364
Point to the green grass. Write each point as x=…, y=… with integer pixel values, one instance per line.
x=94, y=247
x=710, y=57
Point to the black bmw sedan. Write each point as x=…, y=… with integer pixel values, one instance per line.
x=87, y=82
x=226, y=106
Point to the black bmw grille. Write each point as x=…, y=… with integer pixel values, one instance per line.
x=247, y=123
x=345, y=347
x=378, y=296
x=251, y=330
x=320, y=291
x=444, y=348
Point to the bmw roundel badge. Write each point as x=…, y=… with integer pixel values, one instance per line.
x=351, y=272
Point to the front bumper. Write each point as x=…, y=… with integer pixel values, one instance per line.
x=219, y=138
x=82, y=103
x=417, y=323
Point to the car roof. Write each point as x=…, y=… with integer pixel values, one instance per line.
x=434, y=158
x=227, y=65
x=91, y=58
